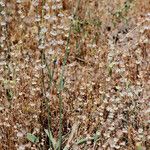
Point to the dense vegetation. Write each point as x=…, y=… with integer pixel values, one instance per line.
x=74, y=74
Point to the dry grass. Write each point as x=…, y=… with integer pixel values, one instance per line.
x=106, y=91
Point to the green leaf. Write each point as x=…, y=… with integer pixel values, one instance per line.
x=110, y=68
x=50, y=136
x=57, y=144
x=111, y=65
x=139, y=147
x=32, y=138
x=96, y=138
x=82, y=141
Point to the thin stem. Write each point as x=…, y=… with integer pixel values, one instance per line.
x=61, y=83
x=43, y=63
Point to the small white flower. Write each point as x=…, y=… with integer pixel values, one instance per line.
x=46, y=7
x=70, y=17
x=60, y=42
x=2, y=38
x=3, y=23
x=53, y=33
x=60, y=27
x=140, y=130
x=47, y=17
x=53, y=18
x=3, y=12
x=19, y=134
x=41, y=46
x=54, y=26
x=22, y=16
x=47, y=94
x=2, y=63
x=50, y=52
x=37, y=18
x=21, y=147
x=19, y=1
x=44, y=30
x=59, y=6
x=19, y=11
x=148, y=14
x=2, y=4
x=61, y=15
x=35, y=3
x=53, y=42
x=54, y=7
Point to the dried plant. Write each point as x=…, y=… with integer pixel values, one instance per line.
x=74, y=75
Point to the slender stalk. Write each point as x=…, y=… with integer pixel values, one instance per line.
x=61, y=83
x=9, y=91
x=44, y=62
x=50, y=75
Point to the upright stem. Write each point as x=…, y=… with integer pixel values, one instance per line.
x=44, y=62
x=61, y=83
